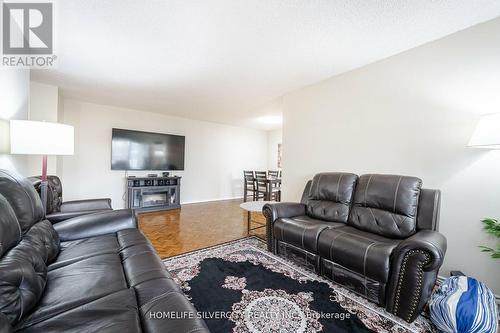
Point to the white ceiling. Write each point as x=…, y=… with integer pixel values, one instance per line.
x=229, y=61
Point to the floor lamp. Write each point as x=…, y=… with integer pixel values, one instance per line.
x=41, y=138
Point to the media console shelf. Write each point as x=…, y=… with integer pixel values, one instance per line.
x=149, y=194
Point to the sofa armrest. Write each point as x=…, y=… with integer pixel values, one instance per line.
x=431, y=242
x=415, y=265
x=63, y=216
x=274, y=211
x=91, y=204
x=96, y=224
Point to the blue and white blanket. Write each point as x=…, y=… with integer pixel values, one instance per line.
x=463, y=304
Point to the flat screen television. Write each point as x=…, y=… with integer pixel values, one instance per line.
x=136, y=150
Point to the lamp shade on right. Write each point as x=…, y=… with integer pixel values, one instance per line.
x=487, y=132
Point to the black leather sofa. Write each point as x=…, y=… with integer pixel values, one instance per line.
x=58, y=211
x=93, y=273
x=374, y=234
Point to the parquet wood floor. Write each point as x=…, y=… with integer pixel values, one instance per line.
x=196, y=226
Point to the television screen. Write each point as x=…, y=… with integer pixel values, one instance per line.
x=136, y=150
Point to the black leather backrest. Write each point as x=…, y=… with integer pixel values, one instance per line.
x=5, y=326
x=22, y=197
x=23, y=263
x=428, y=209
x=54, y=192
x=386, y=205
x=25, y=250
x=10, y=231
x=330, y=196
x=23, y=276
x=305, y=194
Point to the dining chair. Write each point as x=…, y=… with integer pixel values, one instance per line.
x=261, y=185
x=267, y=188
x=275, y=188
x=273, y=174
x=261, y=174
x=249, y=185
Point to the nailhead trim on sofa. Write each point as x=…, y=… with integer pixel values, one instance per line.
x=416, y=294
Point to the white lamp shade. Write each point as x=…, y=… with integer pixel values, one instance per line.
x=4, y=136
x=41, y=138
x=487, y=132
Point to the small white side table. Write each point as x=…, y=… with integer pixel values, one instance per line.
x=254, y=207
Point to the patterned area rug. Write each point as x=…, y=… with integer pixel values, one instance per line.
x=241, y=287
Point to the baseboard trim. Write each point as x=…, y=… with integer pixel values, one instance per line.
x=209, y=200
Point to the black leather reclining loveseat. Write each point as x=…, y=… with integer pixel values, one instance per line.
x=375, y=234
x=94, y=273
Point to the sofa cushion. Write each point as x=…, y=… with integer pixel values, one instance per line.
x=171, y=302
x=330, y=196
x=114, y=313
x=140, y=264
x=76, y=250
x=155, y=290
x=80, y=249
x=22, y=197
x=386, y=205
x=302, y=231
x=362, y=252
x=78, y=283
x=130, y=237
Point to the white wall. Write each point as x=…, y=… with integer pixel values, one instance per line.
x=43, y=106
x=216, y=155
x=14, y=99
x=274, y=138
x=411, y=114
x=44, y=99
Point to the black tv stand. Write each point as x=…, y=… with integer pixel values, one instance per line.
x=149, y=194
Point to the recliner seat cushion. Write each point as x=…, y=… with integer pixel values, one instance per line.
x=131, y=237
x=114, y=313
x=76, y=284
x=77, y=250
x=113, y=291
x=362, y=252
x=330, y=196
x=386, y=205
x=302, y=231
